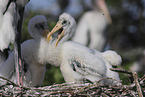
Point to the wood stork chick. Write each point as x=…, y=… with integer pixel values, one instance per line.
x=77, y=62
x=91, y=27
x=33, y=55
x=111, y=58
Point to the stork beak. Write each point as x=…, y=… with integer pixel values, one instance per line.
x=45, y=32
x=57, y=27
x=102, y=6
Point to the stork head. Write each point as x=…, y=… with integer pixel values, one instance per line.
x=37, y=27
x=65, y=27
x=101, y=5
x=112, y=57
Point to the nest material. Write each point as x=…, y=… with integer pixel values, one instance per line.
x=137, y=88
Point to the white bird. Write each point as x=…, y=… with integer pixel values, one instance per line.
x=78, y=62
x=112, y=59
x=7, y=30
x=8, y=21
x=91, y=27
x=34, y=55
x=11, y=15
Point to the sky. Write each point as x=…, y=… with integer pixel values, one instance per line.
x=51, y=6
x=43, y=5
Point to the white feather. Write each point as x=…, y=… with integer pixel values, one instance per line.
x=7, y=27
x=112, y=57
x=8, y=22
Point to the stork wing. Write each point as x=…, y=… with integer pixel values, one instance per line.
x=84, y=69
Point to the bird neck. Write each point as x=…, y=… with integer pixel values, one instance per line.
x=66, y=37
x=48, y=53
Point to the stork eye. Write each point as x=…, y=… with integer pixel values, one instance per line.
x=64, y=22
x=39, y=26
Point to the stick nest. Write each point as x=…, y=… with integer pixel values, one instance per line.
x=134, y=89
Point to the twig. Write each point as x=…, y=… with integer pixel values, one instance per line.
x=130, y=75
x=61, y=92
x=9, y=81
x=79, y=89
x=137, y=84
x=14, y=84
x=121, y=70
x=142, y=78
x=108, y=78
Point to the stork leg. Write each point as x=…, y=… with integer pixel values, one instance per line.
x=17, y=47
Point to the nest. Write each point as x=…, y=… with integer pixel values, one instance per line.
x=134, y=89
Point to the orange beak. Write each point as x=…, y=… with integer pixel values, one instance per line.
x=45, y=33
x=57, y=27
x=102, y=6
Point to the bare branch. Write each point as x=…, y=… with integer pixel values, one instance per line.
x=137, y=84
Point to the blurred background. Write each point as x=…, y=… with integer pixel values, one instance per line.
x=126, y=34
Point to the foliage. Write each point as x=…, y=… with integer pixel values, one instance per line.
x=52, y=76
x=126, y=34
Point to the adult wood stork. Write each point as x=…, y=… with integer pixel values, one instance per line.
x=8, y=21
x=7, y=30
x=91, y=27
x=10, y=31
x=78, y=62
x=33, y=55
